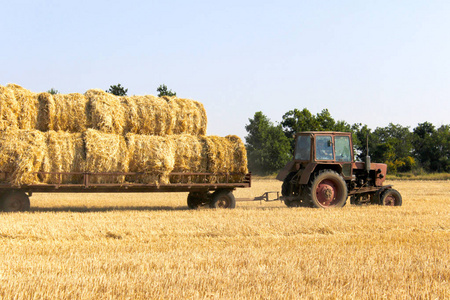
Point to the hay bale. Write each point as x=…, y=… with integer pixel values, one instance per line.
x=105, y=111
x=22, y=153
x=147, y=115
x=28, y=107
x=9, y=109
x=190, y=116
x=70, y=112
x=152, y=155
x=106, y=153
x=46, y=111
x=189, y=158
x=226, y=155
x=65, y=153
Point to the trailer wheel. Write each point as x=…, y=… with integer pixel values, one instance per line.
x=223, y=199
x=327, y=189
x=15, y=201
x=196, y=199
x=391, y=197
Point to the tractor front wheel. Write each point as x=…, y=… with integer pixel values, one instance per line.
x=391, y=197
x=327, y=189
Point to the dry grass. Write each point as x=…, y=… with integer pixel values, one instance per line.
x=141, y=246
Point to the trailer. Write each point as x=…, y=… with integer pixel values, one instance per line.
x=204, y=189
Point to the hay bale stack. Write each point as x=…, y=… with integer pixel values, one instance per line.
x=105, y=153
x=147, y=115
x=70, y=112
x=65, y=153
x=22, y=153
x=9, y=109
x=153, y=155
x=190, y=116
x=28, y=107
x=105, y=112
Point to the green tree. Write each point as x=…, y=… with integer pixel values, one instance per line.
x=164, y=91
x=268, y=148
x=53, y=91
x=432, y=147
x=117, y=90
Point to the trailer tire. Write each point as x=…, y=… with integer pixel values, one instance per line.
x=391, y=197
x=327, y=189
x=15, y=201
x=194, y=200
x=223, y=199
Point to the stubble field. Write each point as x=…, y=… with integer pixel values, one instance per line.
x=147, y=246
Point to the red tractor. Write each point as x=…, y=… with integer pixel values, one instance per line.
x=323, y=174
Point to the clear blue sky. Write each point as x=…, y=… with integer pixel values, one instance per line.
x=370, y=62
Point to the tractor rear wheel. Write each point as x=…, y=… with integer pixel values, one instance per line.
x=223, y=199
x=15, y=201
x=391, y=197
x=327, y=189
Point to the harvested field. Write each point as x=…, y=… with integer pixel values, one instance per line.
x=147, y=246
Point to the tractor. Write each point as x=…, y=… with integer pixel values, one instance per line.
x=323, y=174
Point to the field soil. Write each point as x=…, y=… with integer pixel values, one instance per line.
x=147, y=246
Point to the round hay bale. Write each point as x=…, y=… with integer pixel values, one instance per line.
x=28, y=107
x=152, y=155
x=189, y=158
x=22, y=153
x=105, y=153
x=65, y=153
x=105, y=111
x=9, y=109
x=70, y=112
x=147, y=115
x=190, y=116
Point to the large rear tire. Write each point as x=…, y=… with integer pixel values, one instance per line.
x=327, y=189
x=223, y=199
x=15, y=201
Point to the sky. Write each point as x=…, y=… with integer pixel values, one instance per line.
x=370, y=62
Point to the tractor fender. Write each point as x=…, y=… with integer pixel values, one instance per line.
x=306, y=174
x=315, y=167
x=288, y=168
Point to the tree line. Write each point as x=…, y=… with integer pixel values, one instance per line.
x=425, y=148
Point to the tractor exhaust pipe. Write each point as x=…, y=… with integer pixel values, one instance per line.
x=367, y=162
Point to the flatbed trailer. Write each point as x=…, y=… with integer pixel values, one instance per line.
x=212, y=189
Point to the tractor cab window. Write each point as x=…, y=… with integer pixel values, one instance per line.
x=342, y=148
x=324, y=148
x=303, y=147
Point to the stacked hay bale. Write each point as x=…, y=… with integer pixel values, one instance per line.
x=100, y=133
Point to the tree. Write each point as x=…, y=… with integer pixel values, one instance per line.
x=268, y=149
x=163, y=91
x=432, y=147
x=53, y=91
x=117, y=90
